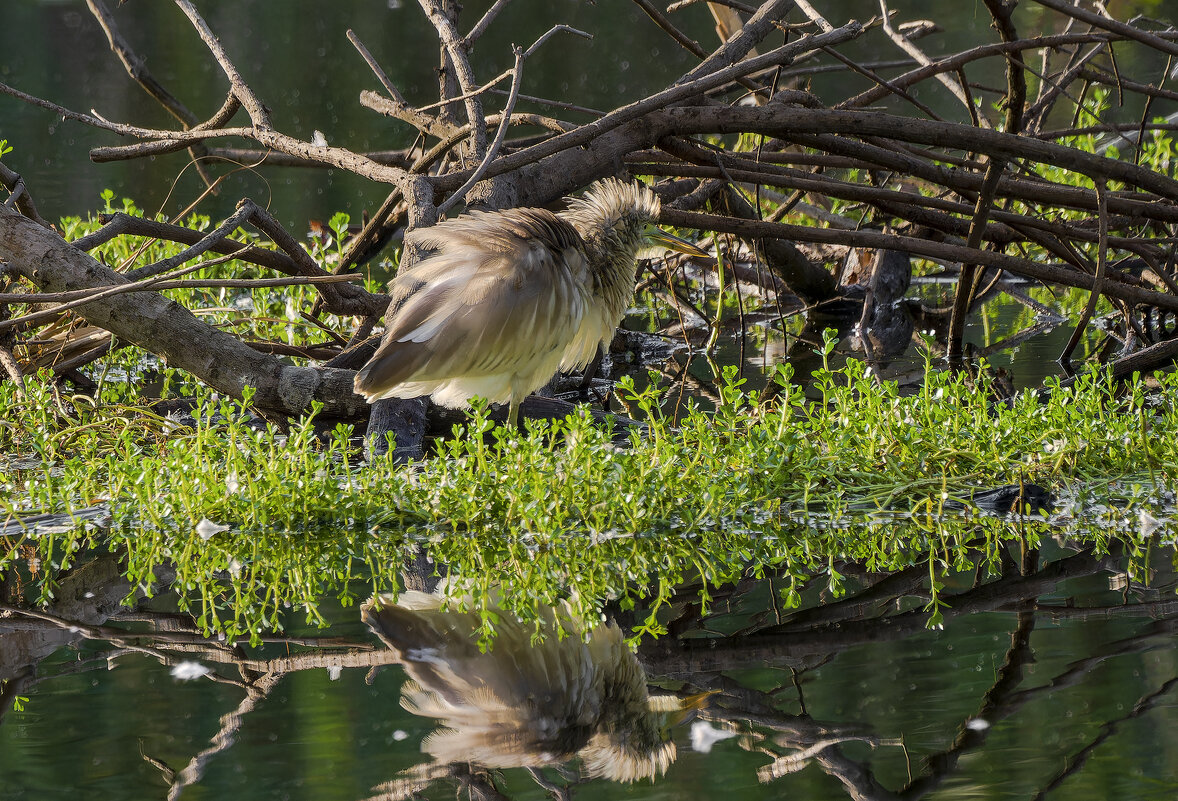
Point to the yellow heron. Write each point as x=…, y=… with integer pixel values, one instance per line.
x=509, y=297
x=526, y=704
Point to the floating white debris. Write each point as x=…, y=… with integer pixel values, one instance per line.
x=399, y=735
x=977, y=724
x=187, y=671
x=704, y=735
x=318, y=139
x=334, y=671
x=1149, y=524
x=206, y=528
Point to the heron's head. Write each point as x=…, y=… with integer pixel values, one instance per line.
x=614, y=210
x=638, y=744
x=617, y=220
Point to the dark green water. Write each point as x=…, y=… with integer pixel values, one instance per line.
x=1046, y=685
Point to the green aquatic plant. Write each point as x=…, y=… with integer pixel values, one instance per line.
x=253, y=519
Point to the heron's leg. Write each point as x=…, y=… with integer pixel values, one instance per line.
x=519, y=391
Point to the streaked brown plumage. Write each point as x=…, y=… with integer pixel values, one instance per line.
x=523, y=704
x=510, y=297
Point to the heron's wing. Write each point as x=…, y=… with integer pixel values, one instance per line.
x=500, y=288
x=556, y=679
x=497, y=231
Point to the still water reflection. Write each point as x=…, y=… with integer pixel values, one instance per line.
x=1055, y=680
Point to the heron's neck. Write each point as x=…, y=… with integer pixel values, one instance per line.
x=614, y=268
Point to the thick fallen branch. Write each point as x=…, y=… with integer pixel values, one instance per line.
x=171, y=331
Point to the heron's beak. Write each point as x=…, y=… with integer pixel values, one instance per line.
x=658, y=236
x=686, y=708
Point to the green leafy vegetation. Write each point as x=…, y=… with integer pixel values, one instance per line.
x=775, y=484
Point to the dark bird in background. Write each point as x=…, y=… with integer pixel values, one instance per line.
x=528, y=704
x=510, y=297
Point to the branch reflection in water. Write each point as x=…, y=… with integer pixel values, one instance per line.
x=833, y=687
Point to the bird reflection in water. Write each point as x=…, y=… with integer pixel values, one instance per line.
x=528, y=704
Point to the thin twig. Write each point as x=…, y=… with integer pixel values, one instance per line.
x=19, y=196
x=660, y=19
x=544, y=101
x=493, y=150
x=956, y=87
x=231, y=224
x=505, y=119
x=251, y=102
x=966, y=282
x=485, y=22
x=814, y=16
x=401, y=109
x=157, y=148
x=1112, y=25
x=508, y=73
x=106, y=292
x=336, y=156
x=734, y=4
x=763, y=22
x=954, y=62
x=452, y=42
x=161, y=285
x=1097, y=280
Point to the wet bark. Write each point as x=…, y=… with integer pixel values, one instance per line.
x=171, y=331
